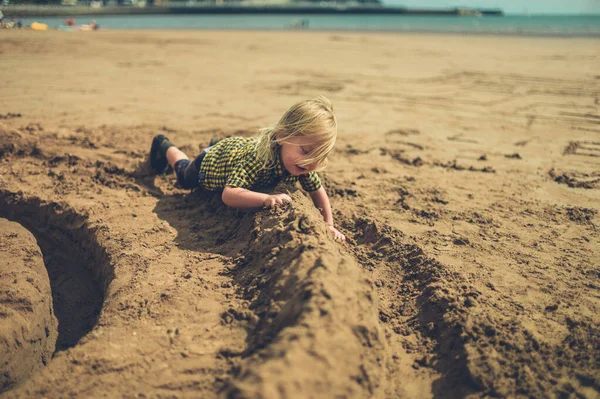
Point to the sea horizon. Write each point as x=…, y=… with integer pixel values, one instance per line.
x=507, y=25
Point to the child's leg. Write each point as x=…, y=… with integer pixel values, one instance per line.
x=187, y=172
x=164, y=155
x=174, y=155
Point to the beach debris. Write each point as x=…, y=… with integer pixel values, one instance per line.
x=403, y=132
x=585, y=148
x=516, y=155
x=10, y=115
x=576, y=179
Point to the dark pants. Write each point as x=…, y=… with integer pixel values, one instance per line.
x=188, y=172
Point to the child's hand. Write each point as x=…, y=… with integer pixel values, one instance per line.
x=276, y=200
x=336, y=233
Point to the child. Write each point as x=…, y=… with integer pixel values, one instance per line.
x=292, y=150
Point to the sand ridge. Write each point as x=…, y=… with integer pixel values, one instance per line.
x=465, y=179
x=29, y=327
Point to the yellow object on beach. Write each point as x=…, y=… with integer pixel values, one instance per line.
x=39, y=26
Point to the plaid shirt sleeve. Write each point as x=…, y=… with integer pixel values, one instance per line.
x=310, y=182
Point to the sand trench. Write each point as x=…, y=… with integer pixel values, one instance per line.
x=76, y=266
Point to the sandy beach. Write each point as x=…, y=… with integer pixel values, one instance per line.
x=466, y=177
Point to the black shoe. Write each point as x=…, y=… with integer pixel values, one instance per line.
x=158, y=158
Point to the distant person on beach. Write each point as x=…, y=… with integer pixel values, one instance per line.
x=292, y=150
x=89, y=27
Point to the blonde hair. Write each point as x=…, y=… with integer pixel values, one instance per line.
x=313, y=119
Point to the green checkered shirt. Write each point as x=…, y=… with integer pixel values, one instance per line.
x=233, y=162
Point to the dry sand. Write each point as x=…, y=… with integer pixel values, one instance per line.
x=466, y=176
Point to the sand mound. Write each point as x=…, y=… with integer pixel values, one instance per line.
x=29, y=329
x=315, y=329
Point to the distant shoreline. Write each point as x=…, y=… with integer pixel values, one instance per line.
x=55, y=11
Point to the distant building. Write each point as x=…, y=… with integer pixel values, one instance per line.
x=337, y=2
x=330, y=3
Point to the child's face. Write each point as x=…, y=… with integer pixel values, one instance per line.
x=294, y=150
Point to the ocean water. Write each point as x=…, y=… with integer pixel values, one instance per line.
x=554, y=25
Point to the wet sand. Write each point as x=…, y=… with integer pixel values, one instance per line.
x=466, y=177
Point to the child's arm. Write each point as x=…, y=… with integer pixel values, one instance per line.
x=237, y=197
x=321, y=201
